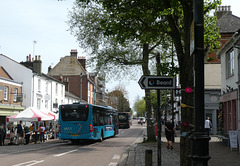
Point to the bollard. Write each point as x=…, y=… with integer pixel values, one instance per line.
x=148, y=157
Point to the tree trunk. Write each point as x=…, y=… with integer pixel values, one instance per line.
x=150, y=125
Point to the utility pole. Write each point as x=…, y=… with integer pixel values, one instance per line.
x=172, y=96
x=159, y=115
x=199, y=138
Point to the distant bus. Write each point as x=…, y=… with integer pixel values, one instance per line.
x=125, y=120
x=87, y=122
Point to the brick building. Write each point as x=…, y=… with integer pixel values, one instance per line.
x=72, y=71
x=10, y=96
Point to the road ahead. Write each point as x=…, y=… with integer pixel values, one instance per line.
x=63, y=153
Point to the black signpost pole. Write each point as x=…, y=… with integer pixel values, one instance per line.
x=159, y=115
x=199, y=138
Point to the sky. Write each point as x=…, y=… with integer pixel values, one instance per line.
x=44, y=21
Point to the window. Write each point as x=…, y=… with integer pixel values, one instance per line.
x=6, y=93
x=46, y=104
x=15, y=94
x=56, y=89
x=230, y=63
x=46, y=88
x=74, y=113
x=39, y=103
x=62, y=91
x=39, y=85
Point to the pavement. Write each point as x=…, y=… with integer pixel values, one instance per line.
x=221, y=155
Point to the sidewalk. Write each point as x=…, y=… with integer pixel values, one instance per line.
x=221, y=155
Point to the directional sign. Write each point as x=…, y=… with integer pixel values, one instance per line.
x=156, y=82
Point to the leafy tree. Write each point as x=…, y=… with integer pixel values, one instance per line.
x=117, y=99
x=139, y=107
x=123, y=33
x=119, y=36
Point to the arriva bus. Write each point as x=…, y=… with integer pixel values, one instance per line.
x=87, y=122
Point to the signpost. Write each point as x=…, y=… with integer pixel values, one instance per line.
x=157, y=82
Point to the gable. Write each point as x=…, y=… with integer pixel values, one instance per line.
x=4, y=74
x=68, y=65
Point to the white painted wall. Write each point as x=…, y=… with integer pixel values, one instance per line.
x=21, y=74
x=212, y=76
x=50, y=92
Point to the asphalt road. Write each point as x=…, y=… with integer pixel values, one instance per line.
x=63, y=153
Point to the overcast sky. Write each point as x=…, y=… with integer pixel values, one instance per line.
x=44, y=21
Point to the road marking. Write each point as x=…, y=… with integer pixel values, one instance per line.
x=61, y=154
x=116, y=157
x=29, y=163
x=113, y=164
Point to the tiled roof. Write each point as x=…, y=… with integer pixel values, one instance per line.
x=228, y=23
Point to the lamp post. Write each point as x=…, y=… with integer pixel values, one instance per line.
x=199, y=138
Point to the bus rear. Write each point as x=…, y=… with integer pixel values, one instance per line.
x=87, y=122
x=75, y=122
x=125, y=120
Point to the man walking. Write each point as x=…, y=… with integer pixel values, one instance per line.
x=169, y=132
x=42, y=131
x=208, y=125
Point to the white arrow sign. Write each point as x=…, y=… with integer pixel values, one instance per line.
x=156, y=82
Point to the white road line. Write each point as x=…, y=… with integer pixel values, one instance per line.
x=116, y=157
x=29, y=163
x=57, y=155
x=113, y=164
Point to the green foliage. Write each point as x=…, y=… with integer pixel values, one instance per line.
x=139, y=107
x=116, y=99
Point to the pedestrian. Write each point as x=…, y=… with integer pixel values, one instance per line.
x=208, y=125
x=19, y=133
x=4, y=134
x=1, y=135
x=27, y=134
x=42, y=130
x=169, y=132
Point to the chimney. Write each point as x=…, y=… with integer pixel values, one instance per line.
x=222, y=10
x=49, y=68
x=37, y=65
x=29, y=57
x=74, y=52
x=82, y=61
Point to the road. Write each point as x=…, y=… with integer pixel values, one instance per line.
x=63, y=153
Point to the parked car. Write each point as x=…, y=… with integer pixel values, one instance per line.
x=143, y=119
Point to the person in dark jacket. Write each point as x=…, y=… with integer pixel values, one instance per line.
x=27, y=134
x=169, y=132
x=1, y=135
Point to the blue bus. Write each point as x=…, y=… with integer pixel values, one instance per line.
x=87, y=122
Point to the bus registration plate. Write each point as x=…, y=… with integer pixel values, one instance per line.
x=74, y=135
